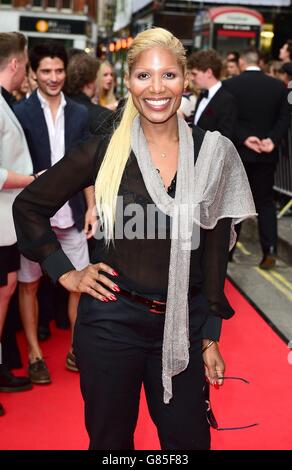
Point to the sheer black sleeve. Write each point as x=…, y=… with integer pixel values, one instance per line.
x=39, y=201
x=215, y=260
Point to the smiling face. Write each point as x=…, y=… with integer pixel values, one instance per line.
x=50, y=76
x=156, y=83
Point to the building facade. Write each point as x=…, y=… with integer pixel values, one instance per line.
x=179, y=16
x=72, y=22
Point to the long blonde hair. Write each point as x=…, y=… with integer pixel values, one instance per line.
x=112, y=168
x=105, y=97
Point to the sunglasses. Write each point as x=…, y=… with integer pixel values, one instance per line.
x=209, y=413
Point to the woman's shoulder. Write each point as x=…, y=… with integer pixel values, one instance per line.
x=214, y=138
x=214, y=151
x=90, y=151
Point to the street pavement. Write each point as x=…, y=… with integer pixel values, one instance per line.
x=269, y=291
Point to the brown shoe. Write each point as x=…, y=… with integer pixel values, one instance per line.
x=38, y=372
x=268, y=262
x=71, y=362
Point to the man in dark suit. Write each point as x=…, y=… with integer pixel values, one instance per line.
x=216, y=108
x=52, y=123
x=81, y=87
x=263, y=119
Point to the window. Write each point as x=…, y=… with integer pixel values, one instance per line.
x=66, y=4
x=51, y=3
x=120, y=6
x=37, y=3
x=6, y=2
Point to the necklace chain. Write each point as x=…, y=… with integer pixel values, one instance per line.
x=163, y=154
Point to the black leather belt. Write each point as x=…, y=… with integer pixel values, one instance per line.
x=155, y=306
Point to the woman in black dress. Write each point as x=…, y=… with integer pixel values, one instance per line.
x=152, y=304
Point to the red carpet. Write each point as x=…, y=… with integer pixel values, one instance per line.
x=51, y=417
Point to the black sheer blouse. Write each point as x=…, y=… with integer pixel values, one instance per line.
x=142, y=263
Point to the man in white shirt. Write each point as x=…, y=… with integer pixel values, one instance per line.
x=216, y=108
x=52, y=123
x=15, y=173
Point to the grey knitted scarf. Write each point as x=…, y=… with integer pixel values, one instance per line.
x=197, y=190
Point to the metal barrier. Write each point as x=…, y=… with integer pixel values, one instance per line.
x=283, y=175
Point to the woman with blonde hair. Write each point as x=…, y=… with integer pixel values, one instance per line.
x=105, y=86
x=152, y=303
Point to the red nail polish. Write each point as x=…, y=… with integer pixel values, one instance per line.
x=115, y=273
x=116, y=289
x=112, y=297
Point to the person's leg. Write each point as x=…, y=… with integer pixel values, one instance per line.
x=110, y=343
x=9, y=264
x=28, y=306
x=46, y=301
x=267, y=209
x=110, y=378
x=6, y=293
x=29, y=279
x=75, y=246
x=8, y=382
x=73, y=302
x=181, y=424
x=10, y=351
x=261, y=179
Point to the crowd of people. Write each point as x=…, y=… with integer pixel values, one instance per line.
x=252, y=109
x=57, y=102
x=39, y=123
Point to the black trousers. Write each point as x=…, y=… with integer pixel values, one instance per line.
x=261, y=180
x=118, y=346
x=11, y=355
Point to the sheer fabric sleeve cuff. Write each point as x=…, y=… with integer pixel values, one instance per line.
x=57, y=264
x=212, y=328
x=221, y=307
x=3, y=177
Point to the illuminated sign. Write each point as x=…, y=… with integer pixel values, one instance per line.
x=123, y=43
x=42, y=26
x=52, y=25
